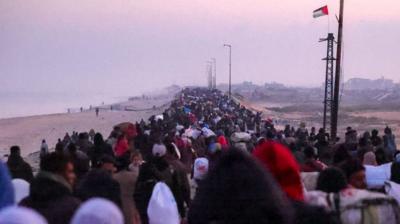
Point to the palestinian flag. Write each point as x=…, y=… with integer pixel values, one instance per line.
x=323, y=11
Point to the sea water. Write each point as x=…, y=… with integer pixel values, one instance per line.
x=24, y=103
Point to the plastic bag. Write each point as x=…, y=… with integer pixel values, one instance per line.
x=162, y=207
x=377, y=175
x=192, y=133
x=207, y=132
x=200, y=168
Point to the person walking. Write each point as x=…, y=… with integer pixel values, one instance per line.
x=44, y=148
x=17, y=166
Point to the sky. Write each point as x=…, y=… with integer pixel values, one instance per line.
x=129, y=46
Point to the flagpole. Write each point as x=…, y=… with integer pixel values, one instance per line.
x=335, y=108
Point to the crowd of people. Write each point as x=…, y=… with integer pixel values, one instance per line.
x=206, y=159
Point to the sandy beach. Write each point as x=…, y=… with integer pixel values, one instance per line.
x=28, y=132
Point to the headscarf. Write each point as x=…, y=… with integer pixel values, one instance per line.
x=20, y=215
x=283, y=166
x=6, y=188
x=21, y=188
x=98, y=210
x=370, y=159
x=159, y=150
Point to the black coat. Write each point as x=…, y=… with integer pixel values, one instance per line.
x=97, y=151
x=19, y=168
x=53, y=200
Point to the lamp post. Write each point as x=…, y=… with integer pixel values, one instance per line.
x=214, y=72
x=230, y=68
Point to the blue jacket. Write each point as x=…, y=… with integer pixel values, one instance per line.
x=6, y=187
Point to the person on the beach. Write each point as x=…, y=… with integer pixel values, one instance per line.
x=79, y=159
x=97, y=111
x=44, y=149
x=17, y=166
x=98, y=150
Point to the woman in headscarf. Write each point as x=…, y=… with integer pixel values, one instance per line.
x=20, y=215
x=98, y=210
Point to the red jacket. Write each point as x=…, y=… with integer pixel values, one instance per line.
x=223, y=142
x=121, y=147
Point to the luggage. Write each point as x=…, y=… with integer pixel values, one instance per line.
x=393, y=190
x=354, y=206
x=240, y=137
x=309, y=180
x=377, y=175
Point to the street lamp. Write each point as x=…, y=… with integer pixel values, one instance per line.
x=230, y=68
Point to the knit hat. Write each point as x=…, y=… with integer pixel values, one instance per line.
x=98, y=210
x=282, y=165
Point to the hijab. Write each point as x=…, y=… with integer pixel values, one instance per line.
x=20, y=215
x=98, y=210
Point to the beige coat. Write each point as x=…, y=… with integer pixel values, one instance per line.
x=127, y=181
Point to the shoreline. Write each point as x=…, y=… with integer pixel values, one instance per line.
x=28, y=131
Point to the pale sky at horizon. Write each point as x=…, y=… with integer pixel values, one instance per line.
x=120, y=45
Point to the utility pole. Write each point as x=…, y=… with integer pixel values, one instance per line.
x=335, y=108
x=230, y=68
x=328, y=99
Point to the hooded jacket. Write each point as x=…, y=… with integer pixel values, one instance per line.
x=280, y=162
x=19, y=168
x=51, y=196
x=282, y=165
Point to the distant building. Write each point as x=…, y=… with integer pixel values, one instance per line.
x=364, y=84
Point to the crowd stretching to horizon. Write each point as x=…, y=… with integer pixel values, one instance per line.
x=206, y=159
